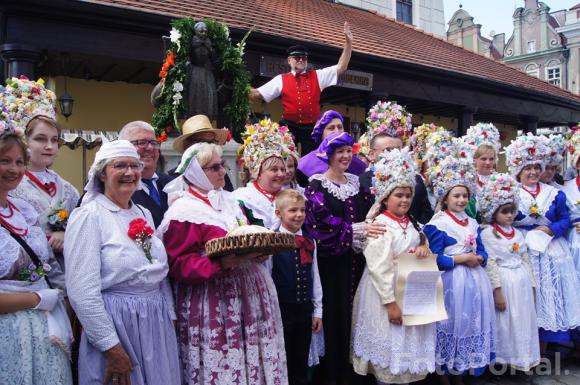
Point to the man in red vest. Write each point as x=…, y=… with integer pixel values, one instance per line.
x=300, y=90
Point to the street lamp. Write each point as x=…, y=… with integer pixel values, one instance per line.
x=66, y=104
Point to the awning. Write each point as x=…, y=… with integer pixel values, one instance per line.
x=87, y=139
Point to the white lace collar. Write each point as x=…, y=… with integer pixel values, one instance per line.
x=339, y=191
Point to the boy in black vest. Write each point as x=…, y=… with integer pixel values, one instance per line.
x=295, y=274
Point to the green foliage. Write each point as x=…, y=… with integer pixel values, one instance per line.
x=233, y=69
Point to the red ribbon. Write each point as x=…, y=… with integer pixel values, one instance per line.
x=306, y=247
x=49, y=188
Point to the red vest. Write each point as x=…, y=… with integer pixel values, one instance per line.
x=301, y=97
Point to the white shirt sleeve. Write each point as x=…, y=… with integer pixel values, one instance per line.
x=82, y=253
x=272, y=89
x=316, y=287
x=327, y=77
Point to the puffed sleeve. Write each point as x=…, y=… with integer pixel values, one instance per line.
x=381, y=265
x=438, y=241
x=185, y=246
x=559, y=216
x=82, y=253
x=480, y=248
x=491, y=269
x=333, y=235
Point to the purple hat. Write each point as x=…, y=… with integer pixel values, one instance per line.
x=322, y=122
x=331, y=143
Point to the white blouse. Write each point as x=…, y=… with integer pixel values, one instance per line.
x=100, y=255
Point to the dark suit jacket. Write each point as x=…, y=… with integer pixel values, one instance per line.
x=420, y=206
x=142, y=198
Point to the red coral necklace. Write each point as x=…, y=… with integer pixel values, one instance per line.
x=271, y=197
x=534, y=194
x=49, y=188
x=461, y=222
x=509, y=235
x=403, y=221
x=13, y=229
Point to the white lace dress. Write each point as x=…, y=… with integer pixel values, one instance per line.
x=392, y=353
x=572, y=192
x=517, y=330
x=33, y=343
x=558, y=302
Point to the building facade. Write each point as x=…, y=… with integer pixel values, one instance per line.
x=464, y=32
x=425, y=14
x=570, y=30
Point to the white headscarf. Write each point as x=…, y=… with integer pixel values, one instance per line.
x=108, y=151
x=190, y=169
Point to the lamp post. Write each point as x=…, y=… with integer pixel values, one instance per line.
x=65, y=103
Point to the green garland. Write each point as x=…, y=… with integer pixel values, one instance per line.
x=165, y=117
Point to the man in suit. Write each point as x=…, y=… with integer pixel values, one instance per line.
x=150, y=194
x=420, y=209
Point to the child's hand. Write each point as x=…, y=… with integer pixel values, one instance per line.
x=468, y=259
x=316, y=324
x=395, y=314
x=422, y=252
x=499, y=299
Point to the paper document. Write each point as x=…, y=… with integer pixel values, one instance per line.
x=419, y=291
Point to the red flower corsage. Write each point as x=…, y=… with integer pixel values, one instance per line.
x=140, y=232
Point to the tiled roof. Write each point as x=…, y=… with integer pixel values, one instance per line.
x=321, y=22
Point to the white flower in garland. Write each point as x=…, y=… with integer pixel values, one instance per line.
x=177, y=89
x=175, y=37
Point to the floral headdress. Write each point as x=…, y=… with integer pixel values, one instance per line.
x=418, y=140
x=483, y=133
x=364, y=145
x=264, y=140
x=391, y=119
x=556, y=145
x=395, y=168
x=456, y=169
x=501, y=189
x=23, y=99
x=525, y=150
x=574, y=147
x=439, y=145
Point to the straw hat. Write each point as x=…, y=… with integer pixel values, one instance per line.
x=195, y=125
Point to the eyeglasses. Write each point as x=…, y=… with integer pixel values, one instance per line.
x=142, y=143
x=124, y=166
x=300, y=58
x=216, y=167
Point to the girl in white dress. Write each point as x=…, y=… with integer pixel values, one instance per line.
x=543, y=212
x=381, y=345
x=466, y=340
x=510, y=274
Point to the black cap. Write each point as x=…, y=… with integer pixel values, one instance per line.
x=297, y=50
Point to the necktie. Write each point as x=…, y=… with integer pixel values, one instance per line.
x=153, y=193
x=306, y=247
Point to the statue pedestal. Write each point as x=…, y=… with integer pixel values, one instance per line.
x=172, y=158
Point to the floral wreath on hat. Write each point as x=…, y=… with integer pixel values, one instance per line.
x=456, y=168
x=501, y=189
x=264, y=140
x=574, y=146
x=525, y=150
x=22, y=99
x=483, y=134
x=391, y=119
x=364, y=145
x=395, y=168
x=439, y=146
x=556, y=145
x=418, y=141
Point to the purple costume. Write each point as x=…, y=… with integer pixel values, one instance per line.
x=335, y=218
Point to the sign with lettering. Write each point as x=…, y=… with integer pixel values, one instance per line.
x=271, y=66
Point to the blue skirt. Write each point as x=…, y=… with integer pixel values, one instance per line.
x=145, y=329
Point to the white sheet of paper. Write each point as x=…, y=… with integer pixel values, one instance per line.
x=538, y=240
x=421, y=293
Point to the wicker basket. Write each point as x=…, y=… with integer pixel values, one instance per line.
x=250, y=239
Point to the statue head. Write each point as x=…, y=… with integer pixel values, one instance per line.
x=200, y=30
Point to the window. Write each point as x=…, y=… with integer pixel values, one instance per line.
x=405, y=11
x=554, y=75
x=531, y=46
x=532, y=69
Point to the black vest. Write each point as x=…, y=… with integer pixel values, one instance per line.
x=293, y=281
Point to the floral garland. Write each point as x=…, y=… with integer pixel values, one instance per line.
x=391, y=119
x=58, y=218
x=173, y=75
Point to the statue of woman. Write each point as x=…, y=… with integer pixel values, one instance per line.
x=202, y=97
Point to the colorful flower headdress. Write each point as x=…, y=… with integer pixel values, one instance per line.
x=556, y=145
x=483, y=133
x=23, y=99
x=395, y=168
x=574, y=146
x=501, y=189
x=525, y=150
x=455, y=169
x=439, y=145
x=391, y=119
x=418, y=140
x=264, y=140
x=364, y=145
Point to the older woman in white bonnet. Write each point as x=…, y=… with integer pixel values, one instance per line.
x=228, y=307
x=117, y=282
